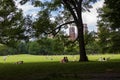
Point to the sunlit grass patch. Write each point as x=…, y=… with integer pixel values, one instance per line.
x=54, y=58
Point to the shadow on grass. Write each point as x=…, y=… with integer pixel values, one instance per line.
x=55, y=70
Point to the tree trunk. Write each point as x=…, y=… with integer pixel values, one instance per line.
x=82, y=51
x=77, y=15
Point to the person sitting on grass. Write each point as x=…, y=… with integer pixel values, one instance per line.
x=64, y=60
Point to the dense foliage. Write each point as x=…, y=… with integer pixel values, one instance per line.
x=45, y=46
x=109, y=27
x=11, y=23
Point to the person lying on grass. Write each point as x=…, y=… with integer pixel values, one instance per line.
x=104, y=59
x=19, y=62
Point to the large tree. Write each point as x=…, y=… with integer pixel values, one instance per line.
x=11, y=23
x=109, y=26
x=70, y=11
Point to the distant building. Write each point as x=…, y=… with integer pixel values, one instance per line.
x=50, y=36
x=73, y=32
x=85, y=28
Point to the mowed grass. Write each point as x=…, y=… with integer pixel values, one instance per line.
x=53, y=58
x=37, y=67
x=35, y=58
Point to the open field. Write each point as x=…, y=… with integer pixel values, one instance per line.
x=54, y=58
x=50, y=68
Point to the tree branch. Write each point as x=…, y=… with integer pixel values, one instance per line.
x=59, y=27
x=69, y=7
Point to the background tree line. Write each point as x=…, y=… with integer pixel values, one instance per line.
x=45, y=46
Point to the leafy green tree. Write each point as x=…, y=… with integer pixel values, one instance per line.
x=91, y=42
x=104, y=35
x=34, y=48
x=11, y=23
x=3, y=49
x=58, y=46
x=89, y=37
x=115, y=42
x=113, y=13
x=22, y=48
x=109, y=27
x=46, y=46
x=70, y=8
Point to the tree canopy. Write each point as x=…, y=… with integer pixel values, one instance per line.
x=64, y=12
x=109, y=26
x=11, y=23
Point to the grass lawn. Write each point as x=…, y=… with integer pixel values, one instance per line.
x=50, y=68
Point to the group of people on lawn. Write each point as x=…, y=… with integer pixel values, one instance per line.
x=64, y=60
x=104, y=59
